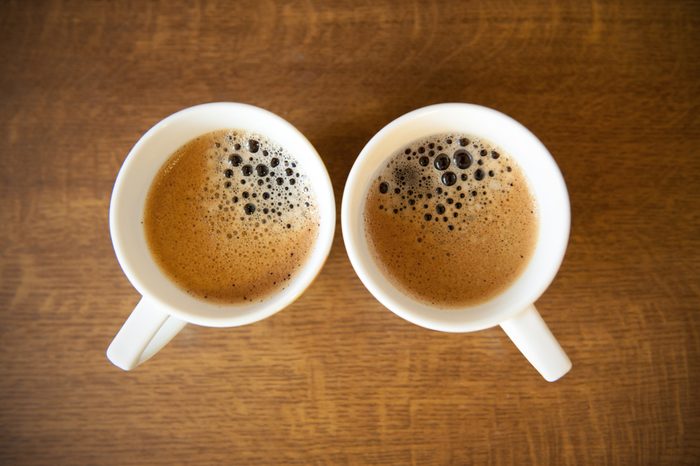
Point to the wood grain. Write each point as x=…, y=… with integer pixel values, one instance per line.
x=610, y=87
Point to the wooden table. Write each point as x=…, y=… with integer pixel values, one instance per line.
x=612, y=90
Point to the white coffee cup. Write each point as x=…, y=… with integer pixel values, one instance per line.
x=513, y=309
x=165, y=308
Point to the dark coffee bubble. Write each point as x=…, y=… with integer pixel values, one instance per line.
x=427, y=217
x=235, y=160
x=237, y=146
x=247, y=170
x=495, y=154
x=491, y=173
x=480, y=162
x=217, y=145
x=431, y=145
x=442, y=161
x=483, y=152
x=292, y=181
x=261, y=182
x=450, y=200
x=289, y=171
x=245, y=194
x=463, y=142
x=383, y=187
x=227, y=184
x=421, y=150
x=508, y=169
x=438, y=190
x=428, y=195
x=274, y=162
x=462, y=159
x=249, y=208
x=411, y=202
x=449, y=141
x=440, y=209
x=407, y=151
x=266, y=195
x=444, y=219
x=397, y=190
x=235, y=199
x=458, y=205
x=451, y=227
x=253, y=145
x=479, y=174
x=464, y=176
x=262, y=170
x=424, y=161
x=266, y=210
x=448, y=178
x=280, y=180
x=228, y=173
x=474, y=193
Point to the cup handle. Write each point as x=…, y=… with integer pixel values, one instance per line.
x=534, y=339
x=147, y=330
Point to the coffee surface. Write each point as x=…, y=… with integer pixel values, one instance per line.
x=231, y=217
x=450, y=220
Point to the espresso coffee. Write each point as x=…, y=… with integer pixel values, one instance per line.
x=450, y=220
x=231, y=217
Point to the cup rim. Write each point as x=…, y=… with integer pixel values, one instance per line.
x=244, y=313
x=406, y=307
